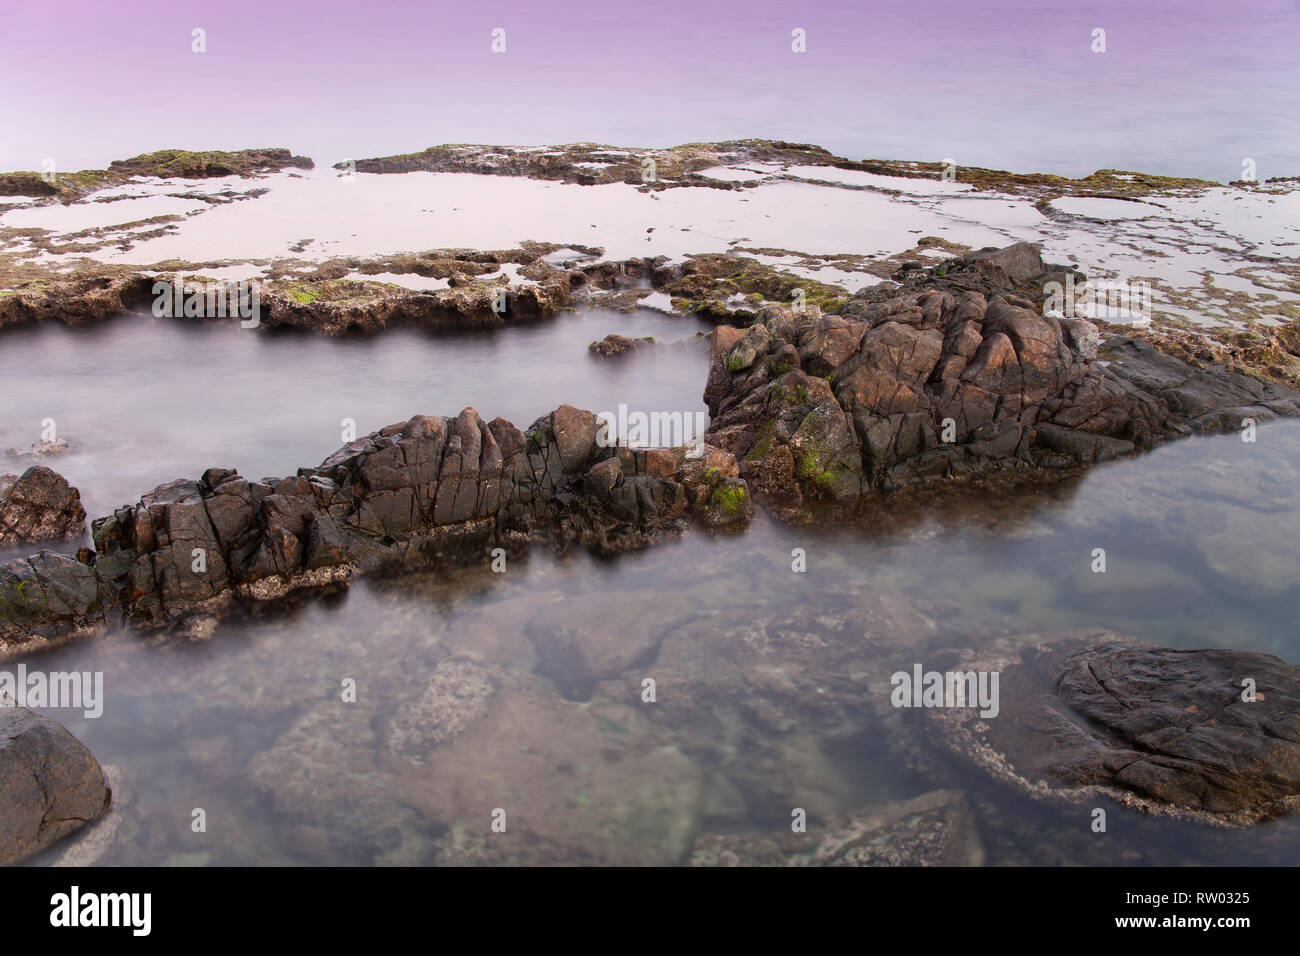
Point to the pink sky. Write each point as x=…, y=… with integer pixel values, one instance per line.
x=1188, y=87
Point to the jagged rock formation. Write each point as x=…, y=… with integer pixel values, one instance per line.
x=427, y=491
x=905, y=386
x=39, y=506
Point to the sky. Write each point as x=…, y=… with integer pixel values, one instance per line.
x=1191, y=87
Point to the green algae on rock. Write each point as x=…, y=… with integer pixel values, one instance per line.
x=162, y=164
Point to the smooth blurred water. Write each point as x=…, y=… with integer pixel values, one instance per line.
x=143, y=401
x=250, y=727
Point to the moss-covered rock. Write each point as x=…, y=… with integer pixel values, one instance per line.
x=164, y=164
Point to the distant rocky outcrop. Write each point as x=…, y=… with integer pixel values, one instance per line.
x=428, y=491
x=163, y=163
x=906, y=386
x=614, y=345
x=39, y=506
x=50, y=784
x=208, y=164
x=330, y=303
x=590, y=164
x=40, y=451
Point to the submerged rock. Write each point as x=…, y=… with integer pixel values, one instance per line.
x=571, y=783
x=459, y=691
x=322, y=775
x=39, y=506
x=1211, y=735
x=935, y=829
x=767, y=699
x=40, y=451
x=600, y=636
x=50, y=784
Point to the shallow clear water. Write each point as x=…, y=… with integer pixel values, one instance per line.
x=142, y=400
x=250, y=726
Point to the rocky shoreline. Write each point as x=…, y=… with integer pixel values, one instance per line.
x=821, y=400
x=162, y=164
x=909, y=389
x=491, y=287
x=956, y=377
x=428, y=492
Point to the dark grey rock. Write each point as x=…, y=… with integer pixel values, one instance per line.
x=1159, y=729
x=50, y=784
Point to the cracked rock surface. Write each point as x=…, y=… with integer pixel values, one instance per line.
x=39, y=505
x=959, y=378
x=50, y=784
x=1159, y=729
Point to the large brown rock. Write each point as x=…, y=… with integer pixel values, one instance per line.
x=50, y=784
x=614, y=345
x=39, y=506
x=955, y=374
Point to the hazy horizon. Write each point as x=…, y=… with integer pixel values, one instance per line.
x=1190, y=89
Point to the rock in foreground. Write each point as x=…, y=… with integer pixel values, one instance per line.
x=50, y=784
x=1165, y=731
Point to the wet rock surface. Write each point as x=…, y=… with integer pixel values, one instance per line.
x=615, y=345
x=1160, y=730
x=50, y=785
x=905, y=388
x=428, y=492
x=581, y=643
x=582, y=784
x=935, y=829
x=39, y=505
